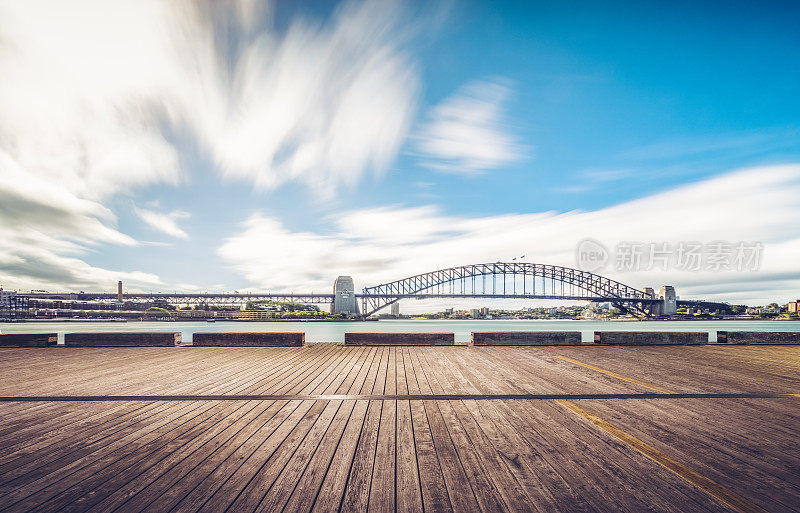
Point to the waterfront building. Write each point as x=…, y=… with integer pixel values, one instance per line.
x=5, y=305
x=251, y=315
x=11, y=306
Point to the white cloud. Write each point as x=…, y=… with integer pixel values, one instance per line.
x=467, y=133
x=87, y=86
x=78, y=125
x=78, y=96
x=320, y=104
x=380, y=245
x=93, y=91
x=164, y=222
x=44, y=227
x=592, y=179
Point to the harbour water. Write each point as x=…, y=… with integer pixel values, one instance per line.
x=334, y=331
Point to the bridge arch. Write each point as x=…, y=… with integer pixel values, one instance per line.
x=565, y=283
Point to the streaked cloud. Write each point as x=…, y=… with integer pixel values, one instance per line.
x=714, y=146
x=165, y=222
x=79, y=99
x=319, y=104
x=592, y=179
x=95, y=94
x=45, y=230
x=468, y=132
x=381, y=245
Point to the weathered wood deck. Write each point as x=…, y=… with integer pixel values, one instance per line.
x=438, y=432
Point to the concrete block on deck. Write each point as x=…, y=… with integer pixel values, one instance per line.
x=399, y=339
x=651, y=338
x=249, y=339
x=28, y=340
x=122, y=339
x=758, y=337
x=526, y=338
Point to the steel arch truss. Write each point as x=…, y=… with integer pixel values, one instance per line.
x=553, y=282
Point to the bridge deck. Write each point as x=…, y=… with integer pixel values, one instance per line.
x=465, y=447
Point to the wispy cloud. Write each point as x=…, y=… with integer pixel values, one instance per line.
x=589, y=180
x=740, y=144
x=79, y=94
x=467, y=133
x=45, y=228
x=322, y=104
x=318, y=103
x=93, y=92
x=667, y=161
x=79, y=108
x=165, y=222
x=379, y=245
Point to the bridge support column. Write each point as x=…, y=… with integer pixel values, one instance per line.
x=344, y=297
x=669, y=301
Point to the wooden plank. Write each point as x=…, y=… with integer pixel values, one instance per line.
x=613, y=473
x=435, y=493
x=305, y=493
x=494, y=487
x=501, y=470
x=283, y=486
x=34, y=494
x=300, y=481
x=30, y=468
x=542, y=485
x=483, y=454
x=120, y=430
x=118, y=486
x=243, y=478
x=332, y=490
x=382, y=492
x=331, y=493
x=466, y=480
x=409, y=494
x=192, y=499
x=356, y=494
x=129, y=446
x=717, y=439
x=255, y=477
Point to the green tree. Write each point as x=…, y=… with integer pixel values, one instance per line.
x=157, y=311
x=737, y=309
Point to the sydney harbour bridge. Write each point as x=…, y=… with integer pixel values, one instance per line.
x=505, y=280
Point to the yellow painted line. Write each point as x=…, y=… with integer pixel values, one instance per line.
x=619, y=376
x=716, y=490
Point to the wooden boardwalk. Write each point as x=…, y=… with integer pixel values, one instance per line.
x=332, y=428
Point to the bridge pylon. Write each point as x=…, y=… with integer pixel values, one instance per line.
x=344, y=297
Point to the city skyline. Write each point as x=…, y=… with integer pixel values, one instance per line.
x=275, y=146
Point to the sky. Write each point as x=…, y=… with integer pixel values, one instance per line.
x=272, y=146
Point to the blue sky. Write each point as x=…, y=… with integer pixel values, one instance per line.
x=276, y=145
